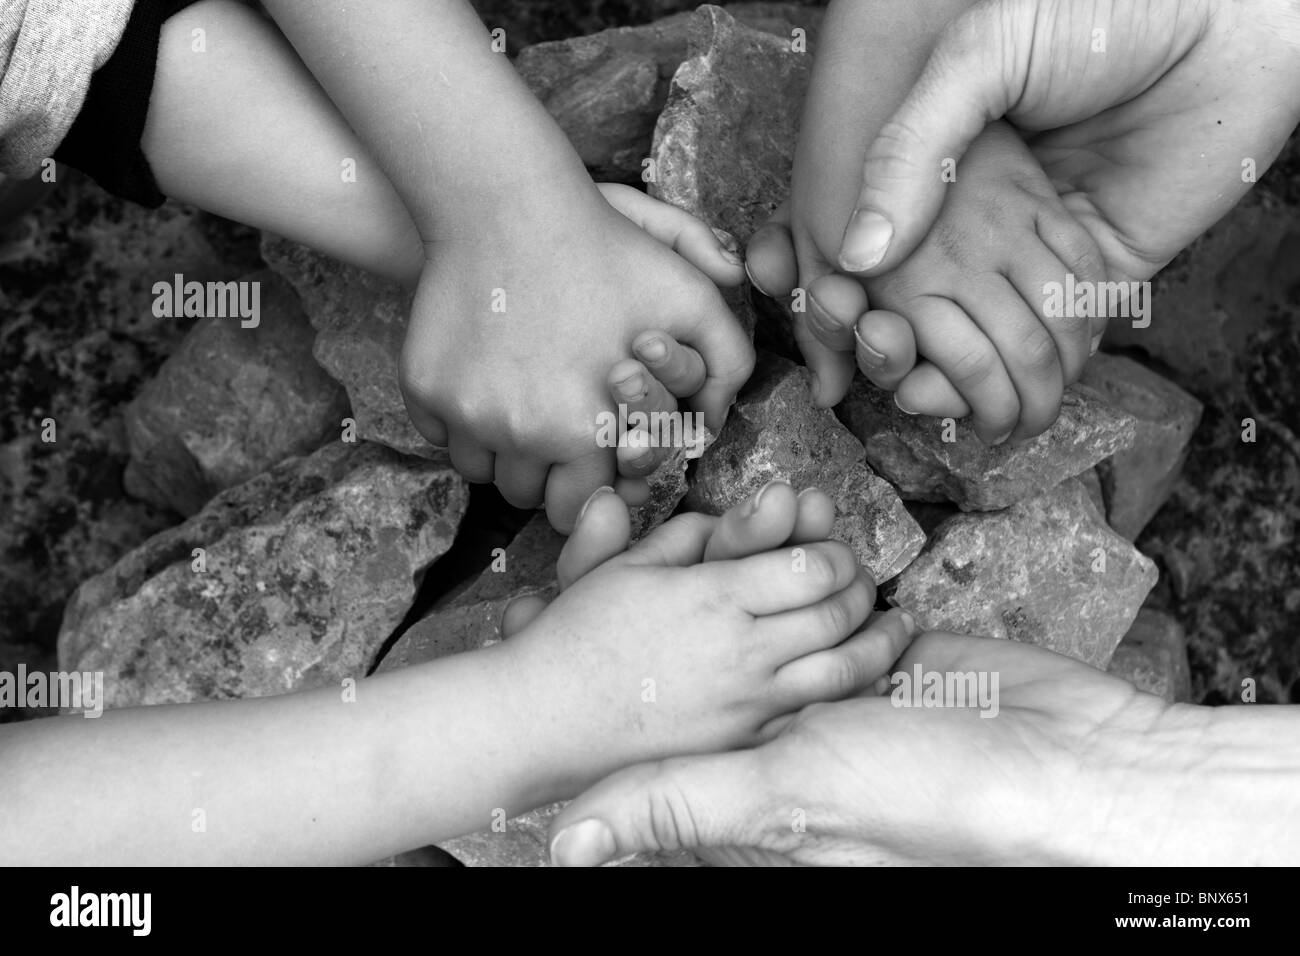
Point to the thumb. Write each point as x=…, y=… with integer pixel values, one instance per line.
x=976, y=69
x=681, y=803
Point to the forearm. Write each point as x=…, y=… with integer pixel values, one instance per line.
x=1201, y=786
x=418, y=755
x=243, y=130
x=461, y=138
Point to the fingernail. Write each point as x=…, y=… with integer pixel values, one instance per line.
x=730, y=247
x=866, y=354
x=602, y=490
x=653, y=350
x=631, y=387
x=1096, y=344
x=903, y=408
x=589, y=843
x=754, y=282
x=866, y=240
x=758, y=498
x=908, y=622
x=1002, y=439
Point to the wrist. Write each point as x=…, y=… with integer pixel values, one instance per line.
x=1184, y=785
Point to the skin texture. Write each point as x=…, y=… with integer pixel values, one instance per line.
x=466, y=190
x=1076, y=768
x=734, y=647
x=1143, y=142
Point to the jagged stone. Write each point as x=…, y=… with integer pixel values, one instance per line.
x=1136, y=481
x=911, y=450
x=724, y=145
x=1153, y=657
x=229, y=403
x=305, y=573
x=360, y=323
x=607, y=90
x=775, y=432
x=1046, y=571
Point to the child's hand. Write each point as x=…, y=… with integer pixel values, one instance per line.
x=652, y=653
x=971, y=299
x=514, y=330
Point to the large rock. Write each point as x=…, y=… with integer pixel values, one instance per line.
x=360, y=323
x=229, y=403
x=1153, y=657
x=775, y=432
x=1136, y=481
x=607, y=90
x=1047, y=571
x=913, y=452
x=305, y=573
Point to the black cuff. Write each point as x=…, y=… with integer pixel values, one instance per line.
x=104, y=141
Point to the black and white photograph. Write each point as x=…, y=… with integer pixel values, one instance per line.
x=642, y=434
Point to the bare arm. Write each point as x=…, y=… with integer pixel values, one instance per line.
x=464, y=142
x=240, y=128
x=421, y=754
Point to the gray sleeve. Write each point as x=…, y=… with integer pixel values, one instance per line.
x=48, y=51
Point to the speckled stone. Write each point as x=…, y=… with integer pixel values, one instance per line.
x=911, y=450
x=360, y=323
x=775, y=432
x=302, y=586
x=1137, y=480
x=1153, y=657
x=79, y=340
x=606, y=90
x=724, y=145
x=1046, y=571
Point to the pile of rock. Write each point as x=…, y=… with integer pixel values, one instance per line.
x=300, y=574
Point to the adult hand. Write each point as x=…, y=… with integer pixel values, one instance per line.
x=864, y=781
x=1149, y=116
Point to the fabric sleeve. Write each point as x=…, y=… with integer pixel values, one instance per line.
x=49, y=52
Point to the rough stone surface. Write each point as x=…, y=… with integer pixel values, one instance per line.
x=1153, y=657
x=360, y=323
x=911, y=451
x=80, y=339
x=1046, y=571
x=309, y=569
x=775, y=432
x=669, y=485
x=607, y=90
x=472, y=618
x=1136, y=481
x=724, y=145
x=229, y=403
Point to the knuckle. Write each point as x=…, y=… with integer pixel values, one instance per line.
x=975, y=368
x=1038, y=354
